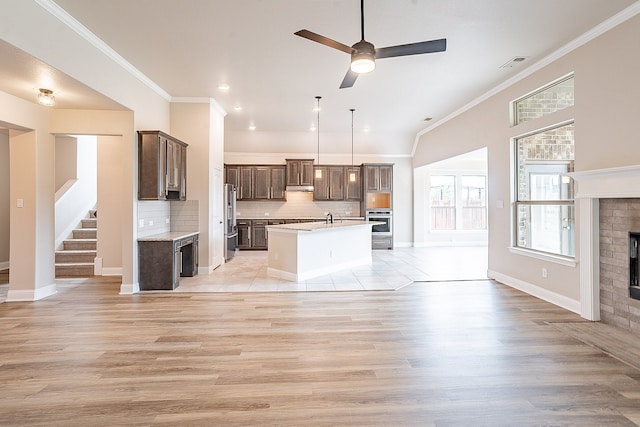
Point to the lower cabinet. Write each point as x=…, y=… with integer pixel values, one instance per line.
x=259, y=234
x=244, y=233
x=163, y=262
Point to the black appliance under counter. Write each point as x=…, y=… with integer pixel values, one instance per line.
x=165, y=257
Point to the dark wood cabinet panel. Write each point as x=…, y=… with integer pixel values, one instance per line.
x=162, y=167
x=244, y=191
x=244, y=234
x=299, y=172
x=259, y=234
x=378, y=178
x=262, y=182
x=352, y=184
x=386, y=178
x=329, y=184
x=278, y=187
x=163, y=262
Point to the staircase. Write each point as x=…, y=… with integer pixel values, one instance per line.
x=78, y=252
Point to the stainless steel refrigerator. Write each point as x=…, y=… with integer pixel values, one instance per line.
x=230, y=229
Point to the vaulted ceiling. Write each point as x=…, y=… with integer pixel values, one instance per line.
x=190, y=47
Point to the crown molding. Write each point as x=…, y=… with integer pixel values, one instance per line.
x=96, y=42
x=596, y=31
x=200, y=100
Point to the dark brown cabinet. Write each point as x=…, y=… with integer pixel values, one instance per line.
x=299, y=172
x=242, y=178
x=259, y=234
x=352, y=186
x=163, y=261
x=378, y=178
x=162, y=167
x=329, y=183
x=268, y=182
x=257, y=182
x=244, y=233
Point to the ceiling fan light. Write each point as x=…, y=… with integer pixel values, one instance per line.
x=363, y=64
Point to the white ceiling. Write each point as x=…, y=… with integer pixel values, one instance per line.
x=189, y=47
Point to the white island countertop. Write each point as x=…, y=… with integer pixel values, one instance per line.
x=316, y=226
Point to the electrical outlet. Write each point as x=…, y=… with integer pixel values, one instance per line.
x=167, y=221
x=544, y=272
x=150, y=222
x=141, y=223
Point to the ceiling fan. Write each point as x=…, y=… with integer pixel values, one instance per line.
x=363, y=54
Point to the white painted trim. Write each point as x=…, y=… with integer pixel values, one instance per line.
x=450, y=243
x=608, y=183
x=97, y=266
x=31, y=294
x=129, y=288
x=96, y=42
x=311, y=156
x=200, y=100
x=569, y=262
x=536, y=291
x=65, y=188
x=4, y=265
x=589, y=232
x=596, y=31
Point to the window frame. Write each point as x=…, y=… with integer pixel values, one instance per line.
x=458, y=206
x=516, y=203
x=513, y=105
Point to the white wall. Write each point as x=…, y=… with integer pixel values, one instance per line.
x=4, y=200
x=66, y=160
x=468, y=163
x=606, y=93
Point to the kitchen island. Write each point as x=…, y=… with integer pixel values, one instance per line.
x=303, y=251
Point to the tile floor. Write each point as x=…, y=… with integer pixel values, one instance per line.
x=247, y=272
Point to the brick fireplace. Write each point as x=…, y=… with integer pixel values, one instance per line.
x=608, y=209
x=618, y=218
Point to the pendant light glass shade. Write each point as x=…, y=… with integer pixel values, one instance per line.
x=318, y=172
x=352, y=172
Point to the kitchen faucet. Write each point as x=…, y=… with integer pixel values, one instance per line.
x=329, y=218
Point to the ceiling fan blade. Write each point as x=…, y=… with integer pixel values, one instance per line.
x=349, y=79
x=430, y=46
x=324, y=40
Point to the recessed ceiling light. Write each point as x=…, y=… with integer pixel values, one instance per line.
x=252, y=127
x=238, y=108
x=366, y=129
x=312, y=128
x=224, y=87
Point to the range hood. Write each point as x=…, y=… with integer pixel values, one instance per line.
x=307, y=188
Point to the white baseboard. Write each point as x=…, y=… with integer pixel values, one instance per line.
x=129, y=288
x=536, y=291
x=4, y=265
x=31, y=294
x=434, y=244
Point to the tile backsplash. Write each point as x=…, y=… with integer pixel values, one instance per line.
x=155, y=217
x=298, y=205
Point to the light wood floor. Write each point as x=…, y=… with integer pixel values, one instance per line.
x=430, y=354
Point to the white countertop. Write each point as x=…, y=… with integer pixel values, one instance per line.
x=168, y=236
x=314, y=226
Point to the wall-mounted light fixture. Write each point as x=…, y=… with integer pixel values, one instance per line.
x=46, y=98
x=318, y=172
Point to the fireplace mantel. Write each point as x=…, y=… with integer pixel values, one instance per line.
x=592, y=185
x=612, y=183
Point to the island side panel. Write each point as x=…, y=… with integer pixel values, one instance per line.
x=282, y=254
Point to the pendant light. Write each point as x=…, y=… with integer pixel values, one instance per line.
x=352, y=172
x=318, y=172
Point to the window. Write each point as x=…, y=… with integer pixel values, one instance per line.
x=465, y=209
x=544, y=206
x=443, y=201
x=551, y=98
x=474, y=206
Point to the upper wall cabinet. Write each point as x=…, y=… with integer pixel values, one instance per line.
x=378, y=177
x=162, y=167
x=300, y=172
x=257, y=182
